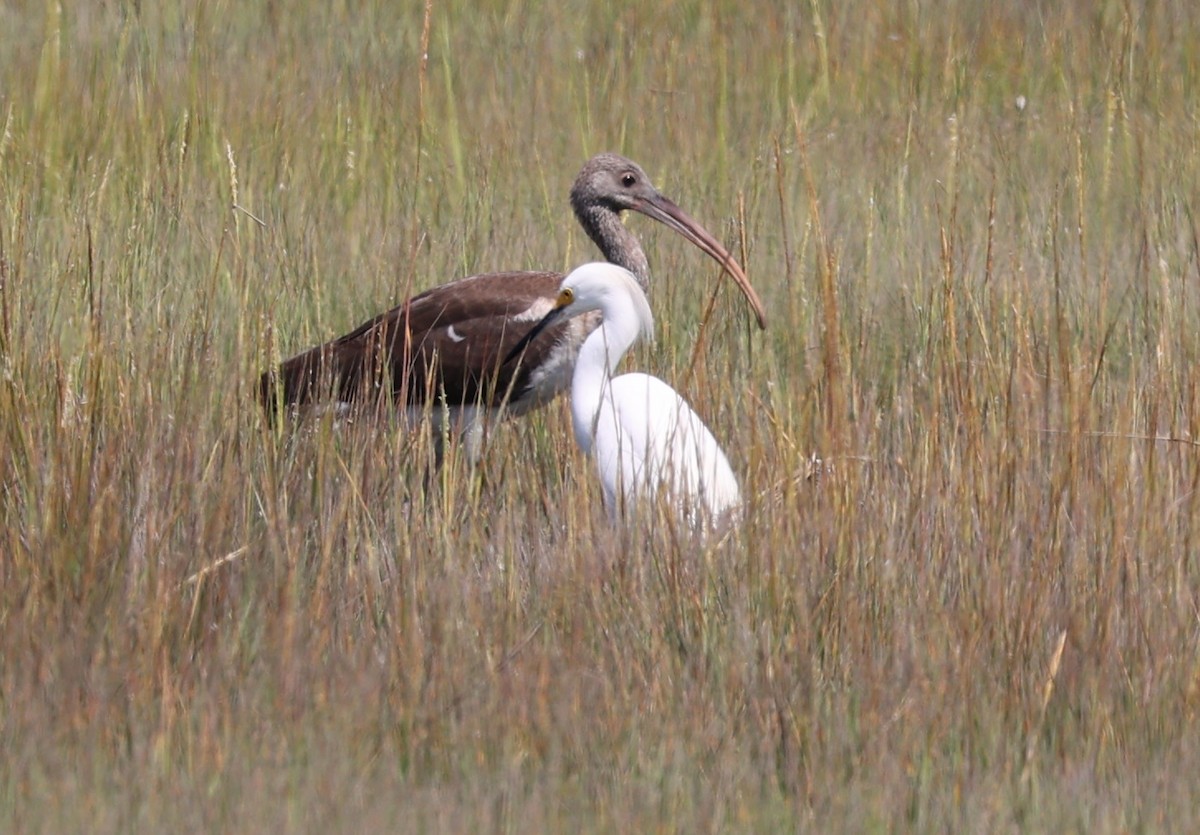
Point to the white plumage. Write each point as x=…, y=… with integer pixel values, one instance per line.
x=642, y=434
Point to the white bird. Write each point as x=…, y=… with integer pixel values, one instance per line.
x=644, y=437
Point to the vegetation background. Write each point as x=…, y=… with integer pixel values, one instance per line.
x=974, y=225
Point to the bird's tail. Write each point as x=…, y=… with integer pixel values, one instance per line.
x=290, y=385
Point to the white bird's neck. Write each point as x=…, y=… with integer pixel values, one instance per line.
x=599, y=357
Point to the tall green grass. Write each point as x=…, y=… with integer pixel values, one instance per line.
x=974, y=226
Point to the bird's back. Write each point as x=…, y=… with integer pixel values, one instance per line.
x=447, y=341
x=647, y=439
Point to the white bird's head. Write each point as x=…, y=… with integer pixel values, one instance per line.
x=612, y=290
x=608, y=288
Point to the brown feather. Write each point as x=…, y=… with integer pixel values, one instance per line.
x=408, y=353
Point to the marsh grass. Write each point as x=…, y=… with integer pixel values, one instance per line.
x=974, y=226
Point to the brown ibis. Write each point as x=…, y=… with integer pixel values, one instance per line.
x=444, y=349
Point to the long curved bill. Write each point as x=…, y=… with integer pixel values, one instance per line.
x=554, y=314
x=667, y=213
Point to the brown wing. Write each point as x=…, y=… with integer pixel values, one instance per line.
x=450, y=339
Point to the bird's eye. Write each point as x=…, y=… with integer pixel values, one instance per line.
x=566, y=297
x=628, y=180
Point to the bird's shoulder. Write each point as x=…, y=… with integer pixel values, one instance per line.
x=642, y=391
x=475, y=297
x=648, y=404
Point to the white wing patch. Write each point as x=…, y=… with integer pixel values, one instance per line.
x=454, y=335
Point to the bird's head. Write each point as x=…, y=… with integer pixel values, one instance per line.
x=614, y=182
x=610, y=184
x=599, y=286
x=608, y=288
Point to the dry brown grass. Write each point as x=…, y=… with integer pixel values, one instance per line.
x=983, y=315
